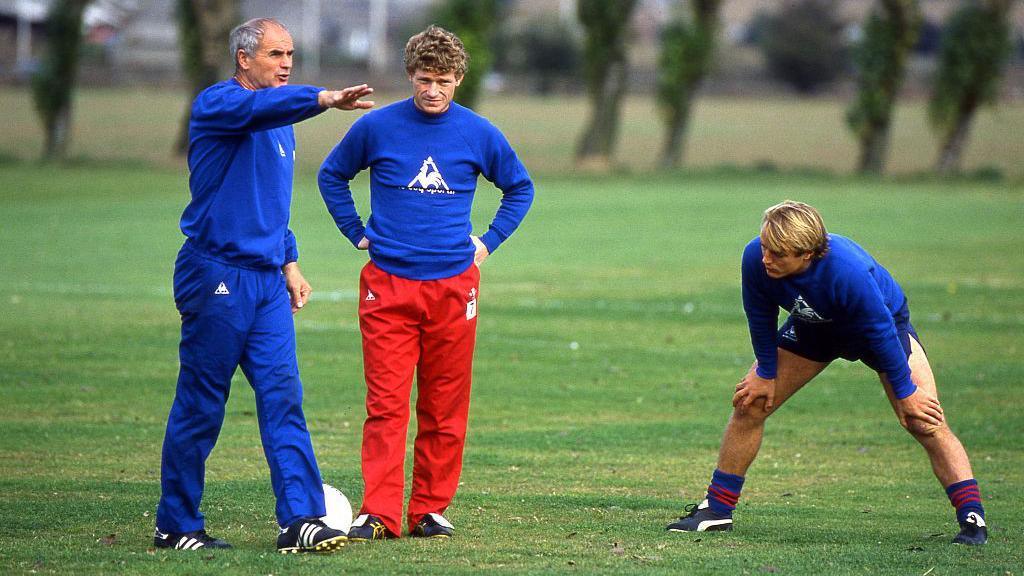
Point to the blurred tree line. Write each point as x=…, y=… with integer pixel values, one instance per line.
x=803, y=44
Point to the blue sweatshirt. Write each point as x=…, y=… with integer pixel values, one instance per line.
x=847, y=290
x=423, y=174
x=241, y=157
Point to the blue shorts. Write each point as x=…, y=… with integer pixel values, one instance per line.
x=822, y=343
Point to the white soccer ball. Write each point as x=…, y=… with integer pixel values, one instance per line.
x=339, y=511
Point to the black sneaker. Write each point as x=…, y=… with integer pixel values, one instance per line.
x=368, y=527
x=187, y=540
x=309, y=535
x=972, y=531
x=700, y=518
x=433, y=526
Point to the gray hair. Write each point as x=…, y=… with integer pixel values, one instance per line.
x=247, y=35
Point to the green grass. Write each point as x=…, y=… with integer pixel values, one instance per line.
x=118, y=125
x=576, y=459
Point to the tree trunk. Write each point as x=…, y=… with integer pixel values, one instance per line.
x=951, y=153
x=57, y=127
x=597, y=144
x=203, y=30
x=674, y=151
x=874, y=149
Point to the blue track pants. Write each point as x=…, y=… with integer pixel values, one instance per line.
x=234, y=317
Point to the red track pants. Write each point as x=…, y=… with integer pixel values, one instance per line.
x=428, y=326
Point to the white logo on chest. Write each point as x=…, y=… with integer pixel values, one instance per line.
x=429, y=179
x=802, y=310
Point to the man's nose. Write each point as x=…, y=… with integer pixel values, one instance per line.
x=286, y=62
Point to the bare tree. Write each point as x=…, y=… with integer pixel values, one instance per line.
x=687, y=48
x=606, y=23
x=203, y=30
x=53, y=86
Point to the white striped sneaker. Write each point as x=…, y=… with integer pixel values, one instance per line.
x=309, y=535
x=187, y=540
x=700, y=518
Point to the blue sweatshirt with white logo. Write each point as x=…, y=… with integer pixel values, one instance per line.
x=241, y=157
x=847, y=291
x=423, y=174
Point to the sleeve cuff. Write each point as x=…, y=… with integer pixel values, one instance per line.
x=291, y=254
x=356, y=235
x=761, y=372
x=491, y=240
x=904, y=391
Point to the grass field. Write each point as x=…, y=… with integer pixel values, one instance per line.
x=578, y=455
x=119, y=125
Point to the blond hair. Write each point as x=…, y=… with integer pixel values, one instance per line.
x=436, y=50
x=794, y=228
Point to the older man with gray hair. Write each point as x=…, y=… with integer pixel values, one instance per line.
x=237, y=284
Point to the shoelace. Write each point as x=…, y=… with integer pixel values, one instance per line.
x=379, y=530
x=690, y=509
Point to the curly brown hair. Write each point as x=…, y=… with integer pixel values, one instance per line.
x=436, y=50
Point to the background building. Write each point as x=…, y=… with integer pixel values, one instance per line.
x=135, y=41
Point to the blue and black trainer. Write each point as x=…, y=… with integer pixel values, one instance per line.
x=973, y=531
x=433, y=526
x=368, y=527
x=700, y=518
x=309, y=535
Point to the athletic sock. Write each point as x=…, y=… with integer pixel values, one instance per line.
x=966, y=498
x=724, y=492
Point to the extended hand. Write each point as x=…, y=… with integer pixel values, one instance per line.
x=753, y=387
x=298, y=289
x=481, y=251
x=347, y=99
x=920, y=405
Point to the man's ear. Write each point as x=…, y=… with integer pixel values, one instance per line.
x=242, y=59
x=458, y=80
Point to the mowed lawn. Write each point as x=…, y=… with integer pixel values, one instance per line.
x=611, y=336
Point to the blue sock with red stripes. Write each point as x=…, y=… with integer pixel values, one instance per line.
x=724, y=492
x=966, y=498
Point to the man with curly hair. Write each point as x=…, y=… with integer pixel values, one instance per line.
x=842, y=304
x=419, y=293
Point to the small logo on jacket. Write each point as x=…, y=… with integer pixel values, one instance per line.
x=281, y=150
x=369, y=296
x=221, y=290
x=429, y=179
